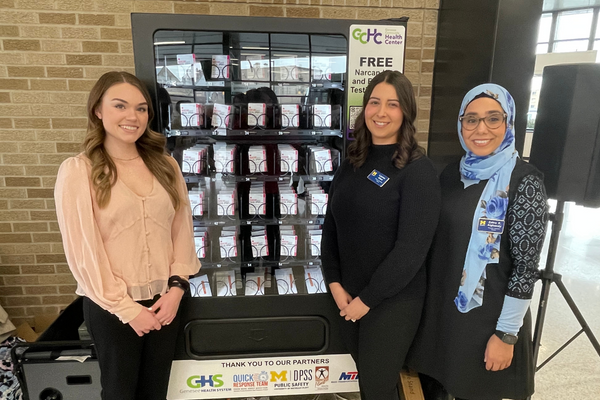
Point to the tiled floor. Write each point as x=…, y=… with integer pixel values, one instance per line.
x=575, y=372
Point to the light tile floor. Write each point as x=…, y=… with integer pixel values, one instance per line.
x=574, y=374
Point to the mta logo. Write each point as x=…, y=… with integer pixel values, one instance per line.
x=200, y=381
x=281, y=376
x=365, y=37
x=348, y=376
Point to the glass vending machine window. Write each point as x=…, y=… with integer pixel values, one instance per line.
x=255, y=121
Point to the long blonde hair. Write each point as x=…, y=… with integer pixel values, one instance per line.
x=150, y=146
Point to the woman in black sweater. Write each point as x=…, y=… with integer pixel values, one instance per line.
x=384, y=204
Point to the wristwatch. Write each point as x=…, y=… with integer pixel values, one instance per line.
x=507, y=338
x=177, y=281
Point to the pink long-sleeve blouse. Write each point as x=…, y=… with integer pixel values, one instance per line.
x=126, y=251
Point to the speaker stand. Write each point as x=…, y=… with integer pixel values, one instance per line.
x=549, y=277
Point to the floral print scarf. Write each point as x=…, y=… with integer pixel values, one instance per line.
x=484, y=247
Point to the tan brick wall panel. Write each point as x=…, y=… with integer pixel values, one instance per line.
x=9, y=31
x=48, y=84
x=57, y=18
x=39, y=193
x=191, y=8
x=52, y=53
x=96, y=19
x=100, y=47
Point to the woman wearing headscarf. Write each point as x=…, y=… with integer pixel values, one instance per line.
x=474, y=341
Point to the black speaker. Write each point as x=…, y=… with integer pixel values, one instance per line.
x=566, y=137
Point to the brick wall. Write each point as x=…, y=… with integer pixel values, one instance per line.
x=52, y=53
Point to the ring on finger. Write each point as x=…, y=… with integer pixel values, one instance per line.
x=353, y=320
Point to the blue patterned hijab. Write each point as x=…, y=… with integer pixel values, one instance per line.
x=496, y=168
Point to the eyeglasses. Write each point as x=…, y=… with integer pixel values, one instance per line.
x=492, y=121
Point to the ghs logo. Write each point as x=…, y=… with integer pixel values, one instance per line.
x=200, y=381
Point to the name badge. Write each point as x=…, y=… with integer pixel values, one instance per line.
x=490, y=225
x=378, y=178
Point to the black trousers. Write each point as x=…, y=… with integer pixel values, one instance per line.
x=131, y=367
x=433, y=390
x=378, y=343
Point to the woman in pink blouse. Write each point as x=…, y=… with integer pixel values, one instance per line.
x=127, y=233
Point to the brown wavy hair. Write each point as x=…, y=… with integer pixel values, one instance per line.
x=150, y=146
x=408, y=149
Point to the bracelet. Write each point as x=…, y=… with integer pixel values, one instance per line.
x=177, y=281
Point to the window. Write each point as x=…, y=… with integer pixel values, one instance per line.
x=569, y=31
x=544, y=33
x=597, y=41
x=573, y=30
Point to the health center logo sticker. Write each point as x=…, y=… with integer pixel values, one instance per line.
x=321, y=377
x=391, y=35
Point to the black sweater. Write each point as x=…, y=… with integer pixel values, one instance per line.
x=376, y=239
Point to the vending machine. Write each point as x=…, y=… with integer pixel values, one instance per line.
x=258, y=113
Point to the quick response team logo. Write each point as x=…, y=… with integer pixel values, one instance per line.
x=321, y=376
x=251, y=380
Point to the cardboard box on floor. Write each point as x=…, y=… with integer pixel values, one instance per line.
x=41, y=323
x=410, y=385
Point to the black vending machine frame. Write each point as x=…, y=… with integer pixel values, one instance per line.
x=265, y=315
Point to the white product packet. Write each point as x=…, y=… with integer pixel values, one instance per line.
x=199, y=286
x=313, y=276
x=186, y=59
x=321, y=157
x=288, y=203
x=220, y=67
x=289, y=246
x=192, y=114
x=260, y=245
x=221, y=116
x=224, y=158
x=288, y=156
x=256, y=114
x=255, y=284
x=257, y=159
x=228, y=246
x=226, y=203
x=315, y=245
x=226, y=283
x=290, y=115
x=286, y=283
x=200, y=243
x=257, y=202
x=318, y=203
x=322, y=116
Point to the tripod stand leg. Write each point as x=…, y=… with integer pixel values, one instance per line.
x=541, y=316
x=576, y=312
